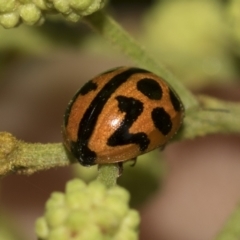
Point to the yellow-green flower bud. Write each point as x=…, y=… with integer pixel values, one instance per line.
x=41, y=4
x=62, y=6
x=80, y=5
x=78, y=200
x=132, y=220
x=42, y=228
x=56, y=216
x=57, y=200
x=72, y=17
x=7, y=6
x=88, y=212
x=98, y=192
x=87, y=7
x=9, y=20
x=78, y=218
x=116, y=206
x=75, y=185
x=95, y=6
x=59, y=233
x=30, y=13
x=91, y=232
x=7, y=142
x=127, y=234
x=121, y=193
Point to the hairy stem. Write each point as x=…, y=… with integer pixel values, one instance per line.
x=212, y=116
x=108, y=174
x=114, y=33
x=20, y=157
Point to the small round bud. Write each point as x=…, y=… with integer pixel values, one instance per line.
x=95, y=5
x=78, y=200
x=98, y=192
x=120, y=193
x=72, y=17
x=30, y=13
x=80, y=5
x=75, y=185
x=91, y=232
x=57, y=200
x=42, y=228
x=41, y=4
x=85, y=7
x=132, y=220
x=60, y=233
x=7, y=141
x=62, y=6
x=56, y=216
x=7, y=6
x=106, y=219
x=78, y=218
x=116, y=206
x=9, y=20
x=126, y=234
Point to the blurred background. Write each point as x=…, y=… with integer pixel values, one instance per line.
x=186, y=192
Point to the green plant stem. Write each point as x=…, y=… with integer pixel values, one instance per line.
x=26, y=158
x=231, y=230
x=111, y=31
x=108, y=174
x=212, y=116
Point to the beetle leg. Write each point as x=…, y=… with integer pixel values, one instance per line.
x=134, y=160
x=120, y=168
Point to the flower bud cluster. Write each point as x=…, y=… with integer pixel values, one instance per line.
x=31, y=12
x=88, y=212
x=233, y=14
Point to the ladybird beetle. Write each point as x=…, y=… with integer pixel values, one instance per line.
x=119, y=115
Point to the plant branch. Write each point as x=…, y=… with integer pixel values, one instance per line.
x=108, y=174
x=213, y=116
x=26, y=158
x=114, y=33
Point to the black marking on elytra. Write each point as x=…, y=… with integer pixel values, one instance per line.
x=150, y=88
x=89, y=119
x=133, y=109
x=175, y=101
x=84, y=155
x=87, y=87
x=162, y=120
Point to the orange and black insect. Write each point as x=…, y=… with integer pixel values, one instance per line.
x=119, y=115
